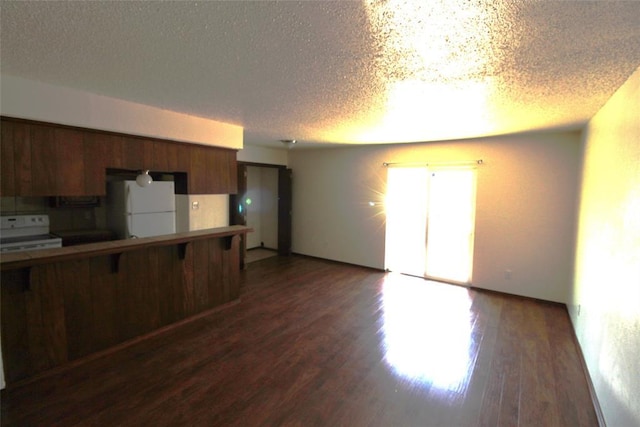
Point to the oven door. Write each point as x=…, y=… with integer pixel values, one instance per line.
x=32, y=243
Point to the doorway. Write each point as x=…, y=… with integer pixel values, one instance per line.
x=263, y=202
x=430, y=222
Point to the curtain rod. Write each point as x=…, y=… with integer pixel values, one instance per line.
x=460, y=163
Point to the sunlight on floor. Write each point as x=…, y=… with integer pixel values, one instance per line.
x=427, y=331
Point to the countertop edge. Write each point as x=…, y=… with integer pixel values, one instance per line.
x=16, y=260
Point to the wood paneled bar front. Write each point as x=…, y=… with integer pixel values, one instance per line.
x=60, y=305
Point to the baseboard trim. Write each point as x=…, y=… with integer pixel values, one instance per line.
x=338, y=262
x=585, y=370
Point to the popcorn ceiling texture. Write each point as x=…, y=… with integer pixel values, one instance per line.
x=337, y=72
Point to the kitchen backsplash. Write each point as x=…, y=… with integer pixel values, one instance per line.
x=61, y=218
x=199, y=211
x=193, y=212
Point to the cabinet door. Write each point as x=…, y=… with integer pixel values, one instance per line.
x=16, y=158
x=69, y=166
x=229, y=166
x=223, y=177
x=212, y=171
x=43, y=162
x=137, y=153
x=7, y=162
x=98, y=154
x=197, y=170
x=165, y=157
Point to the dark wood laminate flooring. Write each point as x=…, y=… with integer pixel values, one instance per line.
x=316, y=343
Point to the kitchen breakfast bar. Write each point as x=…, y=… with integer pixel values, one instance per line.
x=65, y=304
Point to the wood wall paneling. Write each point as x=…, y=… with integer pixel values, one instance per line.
x=45, y=319
x=78, y=307
x=15, y=341
x=105, y=303
x=187, y=271
x=62, y=311
x=215, y=293
x=200, y=255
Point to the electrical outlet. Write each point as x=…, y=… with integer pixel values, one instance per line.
x=507, y=274
x=195, y=205
x=579, y=309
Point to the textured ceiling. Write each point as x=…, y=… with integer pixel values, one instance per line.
x=337, y=72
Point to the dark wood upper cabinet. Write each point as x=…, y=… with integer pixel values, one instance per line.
x=7, y=160
x=137, y=153
x=212, y=171
x=197, y=170
x=69, y=163
x=99, y=152
x=43, y=159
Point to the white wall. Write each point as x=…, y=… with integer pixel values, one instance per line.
x=264, y=155
x=525, y=218
x=605, y=305
x=26, y=99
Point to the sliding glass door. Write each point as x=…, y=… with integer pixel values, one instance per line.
x=450, y=225
x=430, y=222
x=406, y=210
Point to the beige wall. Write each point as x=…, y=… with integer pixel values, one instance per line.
x=264, y=155
x=605, y=306
x=201, y=211
x=27, y=99
x=525, y=218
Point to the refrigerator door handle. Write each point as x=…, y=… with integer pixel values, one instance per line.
x=129, y=213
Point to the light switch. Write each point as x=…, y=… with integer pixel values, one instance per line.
x=195, y=205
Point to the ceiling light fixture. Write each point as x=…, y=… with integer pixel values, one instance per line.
x=144, y=179
x=288, y=142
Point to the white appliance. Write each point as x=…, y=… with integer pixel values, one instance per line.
x=26, y=233
x=134, y=211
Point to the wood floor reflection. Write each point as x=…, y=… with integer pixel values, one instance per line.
x=316, y=343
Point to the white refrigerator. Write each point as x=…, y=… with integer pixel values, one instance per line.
x=134, y=211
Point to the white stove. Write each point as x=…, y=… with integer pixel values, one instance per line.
x=26, y=233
